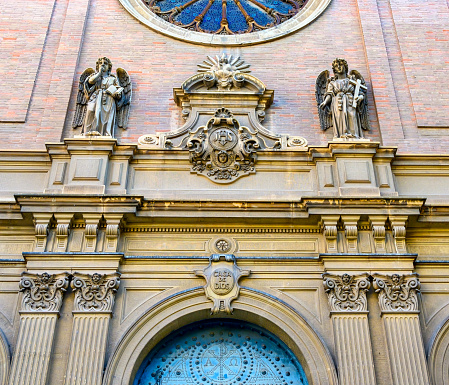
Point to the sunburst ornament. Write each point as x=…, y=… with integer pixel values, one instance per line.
x=224, y=71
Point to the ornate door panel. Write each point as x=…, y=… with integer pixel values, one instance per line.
x=221, y=352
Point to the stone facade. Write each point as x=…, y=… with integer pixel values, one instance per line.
x=225, y=200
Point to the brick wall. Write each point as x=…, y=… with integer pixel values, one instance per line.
x=377, y=37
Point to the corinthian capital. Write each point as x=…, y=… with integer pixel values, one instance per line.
x=397, y=293
x=346, y=292
x=96, y=292
x=43, y=292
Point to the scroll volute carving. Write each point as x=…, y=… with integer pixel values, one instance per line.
x=397, y=293
x=346, y=292
x=96, y=292
x=43, y=292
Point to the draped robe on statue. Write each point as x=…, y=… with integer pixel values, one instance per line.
x=345, y=118
x=102, y=106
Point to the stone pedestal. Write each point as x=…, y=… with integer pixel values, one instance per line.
x=399, y=304
x=347, y=301
x=41, y=302
x=94, y=300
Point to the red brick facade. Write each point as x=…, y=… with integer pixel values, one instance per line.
x=401, y=47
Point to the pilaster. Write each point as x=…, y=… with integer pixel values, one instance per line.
x=398, y=300
x=41, y=302
x=94, y=301
x=349, y=313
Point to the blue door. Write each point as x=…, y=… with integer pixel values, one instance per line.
x=221, y=352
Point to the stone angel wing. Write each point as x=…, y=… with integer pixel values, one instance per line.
x=320, y=89
x=362, y=109
x=125, y=101
x=81, y=99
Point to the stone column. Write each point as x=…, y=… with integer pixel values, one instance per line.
x=41, y=302
x=398, y=302
x=94, y=300
x=349, y=312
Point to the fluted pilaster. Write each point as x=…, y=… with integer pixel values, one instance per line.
x=94, y=300
x=398, y=301
x=41, y=302
x=87, y=348
x=33, y=349
x=347, y=301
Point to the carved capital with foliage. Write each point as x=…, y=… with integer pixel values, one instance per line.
x=346, y=292
x=397, y=293
x=96, y=292
x=43, y=292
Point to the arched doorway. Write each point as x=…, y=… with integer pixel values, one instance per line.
x=221, y=352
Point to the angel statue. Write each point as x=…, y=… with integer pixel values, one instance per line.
x=103, y=100
x=342, y=101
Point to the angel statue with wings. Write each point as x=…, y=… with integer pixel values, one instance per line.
x=342, y=101
x=103, y=100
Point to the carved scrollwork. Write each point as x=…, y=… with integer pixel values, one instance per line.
x=223, y=150
x=96, y=292
x=346, y=292
x=397, y=293
x=43, y=292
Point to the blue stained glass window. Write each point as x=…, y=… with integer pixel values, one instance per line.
x=236, y=20
x=211, y=23
x=278, y=5
x=259, y=16
x=187, y=15
x=212, y=19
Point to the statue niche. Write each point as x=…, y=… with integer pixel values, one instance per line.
x=103, y=100
x=342, y=101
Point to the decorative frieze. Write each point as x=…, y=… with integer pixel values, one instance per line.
x=96, y=292
x=397, y=293
x=222, y=277
x=43, y=292
x=346, y=293
x=330, y=232
x=379, y=233
x=62, y=236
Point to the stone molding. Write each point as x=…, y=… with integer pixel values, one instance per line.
x=310, y=12
x=43, y=292
x=397, y=293
x=96, y=292
x=347, y=293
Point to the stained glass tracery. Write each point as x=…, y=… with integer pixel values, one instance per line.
x=225, y=17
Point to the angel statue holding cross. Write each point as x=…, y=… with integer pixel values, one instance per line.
x=103, y=100
x=342, y=102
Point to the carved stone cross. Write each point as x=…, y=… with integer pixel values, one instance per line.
x=358, y=84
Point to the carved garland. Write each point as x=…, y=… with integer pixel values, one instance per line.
x=347, y=293
x=96, y=292
x=43, y=292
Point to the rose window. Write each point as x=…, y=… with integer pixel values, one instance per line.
x=226, y=17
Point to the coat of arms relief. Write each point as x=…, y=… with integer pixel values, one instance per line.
x=224, y=106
